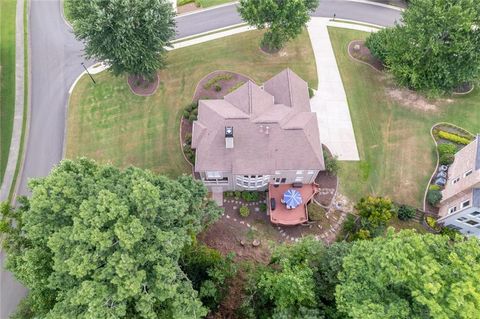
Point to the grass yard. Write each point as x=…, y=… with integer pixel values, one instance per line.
x=396, y=150
x=108, y=123
x=7, y=78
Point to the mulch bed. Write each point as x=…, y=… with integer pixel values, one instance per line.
x=141, y=86
x=326, y=180
x=358, y=51
x=209, y=93
x=189, y=7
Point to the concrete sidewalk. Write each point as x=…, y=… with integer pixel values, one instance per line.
x=330, y=102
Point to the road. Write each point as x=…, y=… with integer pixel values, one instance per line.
x=55, y=64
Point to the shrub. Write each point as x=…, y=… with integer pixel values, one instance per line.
x=315, y=212
x=450, y=232
x=216, y=79
x=191, y=111
x=446, y=159
x=250, y=196
x=189, y=153
x=331, y=164
x=432, y=222
x=229, y=194
x=238, y=194
x=447, y=148
x=244, y=211
x=406, y=212
x=349, y=226
x=453, y=137
x=377, y=43
x=218, y=88
x=263, y=207
x=434, y=197
x=434, y=187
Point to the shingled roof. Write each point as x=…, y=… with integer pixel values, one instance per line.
x=281, y=108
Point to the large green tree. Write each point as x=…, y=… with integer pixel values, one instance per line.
x=408, y=275
x=93, y=241
x=130, y=35
x=283, y=19
x=435, y=48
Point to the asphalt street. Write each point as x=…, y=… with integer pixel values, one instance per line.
x=56, y=59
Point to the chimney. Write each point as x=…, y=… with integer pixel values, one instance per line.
x=228, y=137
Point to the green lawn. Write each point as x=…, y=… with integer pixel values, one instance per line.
x=210, y=3
x=108, y=123
x=7, y=78
x=66, y=11
x=396, y=150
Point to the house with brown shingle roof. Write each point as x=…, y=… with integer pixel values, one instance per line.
x=256, y=136
x=460, y=204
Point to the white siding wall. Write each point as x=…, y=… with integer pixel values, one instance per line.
x=290, y=176
x=461, y=219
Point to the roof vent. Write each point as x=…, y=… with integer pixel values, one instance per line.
x=228, y=137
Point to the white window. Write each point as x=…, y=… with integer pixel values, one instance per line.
x=299, y=172
x=456, y=180
x=212, y=175
x=475, y=214
x=299, y=179
x=452, y=210
x=468, y=173
x=465, y=204
x=311, y=172
x=472, y=222
x=278, y=172
x=462, y=219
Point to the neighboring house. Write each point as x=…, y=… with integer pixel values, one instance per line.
x=256, y=136
x=460, y=204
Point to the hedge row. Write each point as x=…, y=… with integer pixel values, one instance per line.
x=216, y=79
x=453, y=137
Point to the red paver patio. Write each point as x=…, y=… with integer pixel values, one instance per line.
x=283, y=216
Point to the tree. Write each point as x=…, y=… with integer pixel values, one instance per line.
x=436, y=48
x=96, y=242
x=408, y=275
x=406, y=212
x=375, y=212
x=131, y=35
x=283, y=19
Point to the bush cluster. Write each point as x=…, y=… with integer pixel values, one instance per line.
x=244, y=211
x=432, y=222
x=331, y=164
x=250, y=196
x=434, y=197
x=214, y=80
x=434, y=187
x=453, y=137
x=263, y=207
x=190, y=112
x=406, y=212
x=187, y=148
x=446, y=159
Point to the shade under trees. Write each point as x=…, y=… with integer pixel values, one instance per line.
x=130, y=35
x=282, y=19
x=94, y=241
x=436, y=48
x=408, y=275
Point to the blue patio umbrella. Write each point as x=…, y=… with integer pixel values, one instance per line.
x=292, y=198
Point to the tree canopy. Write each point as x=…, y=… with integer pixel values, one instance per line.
x=130, y=35
x=408, y=275
x=93, y=241
x=436, y=48
x=284, y=19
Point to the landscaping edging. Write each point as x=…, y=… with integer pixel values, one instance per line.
x=438, y=156
x=149, y=91
x=465, y=93
x=358, y=60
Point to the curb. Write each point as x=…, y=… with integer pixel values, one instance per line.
x=27, y=122
x=18, y=113
x=186, y=14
